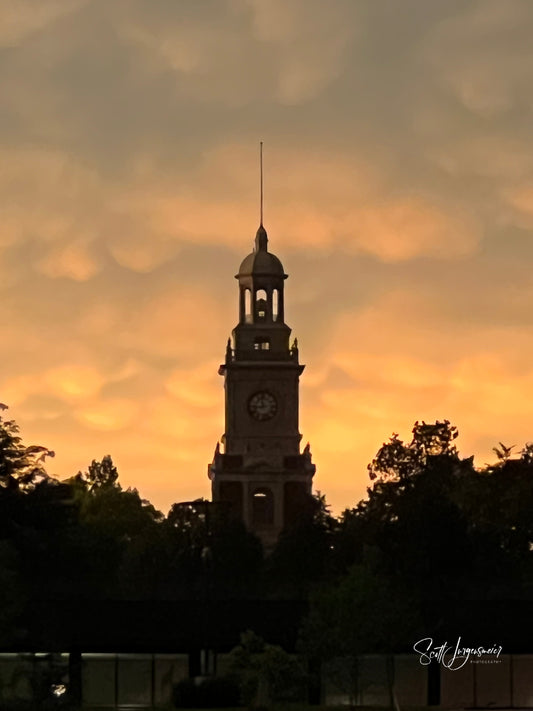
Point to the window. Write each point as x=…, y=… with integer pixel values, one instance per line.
x=275, y=305
x=232, y=493
x=262, y=344
x=247, y=306
x=261, y=304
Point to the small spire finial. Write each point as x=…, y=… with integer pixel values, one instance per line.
x=261, y=180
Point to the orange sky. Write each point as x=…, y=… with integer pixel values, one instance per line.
x=399, y=196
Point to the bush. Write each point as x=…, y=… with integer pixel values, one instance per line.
x=266, y=673
x=215, y=692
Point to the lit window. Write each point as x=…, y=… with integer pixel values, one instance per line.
x=261, y=305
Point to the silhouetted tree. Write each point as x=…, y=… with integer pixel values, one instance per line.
x=301, y=556
x=265, y=672
x=208, y=548
x=365, y=611
x=99, y=475
x=12, y=594
x=21, y=466
x=116, y=528
x=398, y=461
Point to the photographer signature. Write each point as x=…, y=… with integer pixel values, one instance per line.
x=450, y=656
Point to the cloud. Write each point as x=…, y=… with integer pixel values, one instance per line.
x=196, y=387
x=176, y=324
x=519, y=201
x=487, y=156
x=72, y=261
x=141, y=254
x=288, y=51
x=109, y=415
x=411, y=227
x=398, y=195
x=309, y=40
x=49, y=199
x=400, y=360
x=323, y=201
x=73, y=381
x=487, y=73
x=22, y=18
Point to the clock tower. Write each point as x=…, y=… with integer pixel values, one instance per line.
x=258, y=467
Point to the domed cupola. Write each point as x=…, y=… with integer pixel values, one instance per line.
x=261, y=262
x=261, y=279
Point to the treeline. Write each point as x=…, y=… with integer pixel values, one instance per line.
x=436, y=542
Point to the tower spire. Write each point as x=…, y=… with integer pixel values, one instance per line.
x=261, y=239
x=261, y=181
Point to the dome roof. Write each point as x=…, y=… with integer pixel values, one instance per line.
x=263, y=263
x=260, y=261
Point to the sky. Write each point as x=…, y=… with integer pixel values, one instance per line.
x=398, y=159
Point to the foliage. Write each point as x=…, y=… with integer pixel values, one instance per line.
x=21, y=466
x=210, y=553
x=398, y=461
x=99, y=475
x=433, y=527
x=503, y=453
x=432, y=531
x=265, y=672
x=301, y=557
x=11, y=592
x=365, y=611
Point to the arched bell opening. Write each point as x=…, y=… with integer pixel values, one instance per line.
x=275, y=304
x=247, y=306
x=261, y=312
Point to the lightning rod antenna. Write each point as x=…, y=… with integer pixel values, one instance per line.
x=261, y=174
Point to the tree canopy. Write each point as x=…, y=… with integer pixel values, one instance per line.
x=433, y=530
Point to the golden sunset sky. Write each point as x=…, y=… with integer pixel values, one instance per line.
x=399, y=196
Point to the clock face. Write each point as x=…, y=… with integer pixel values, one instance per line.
x=262, y=406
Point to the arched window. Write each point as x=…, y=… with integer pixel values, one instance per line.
x=231, y=492
x=297, y=502
x=260, y=305
x=247, y=306
x=275, y=305
x=262, y=507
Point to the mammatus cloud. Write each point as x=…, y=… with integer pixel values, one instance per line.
x=19, y=19
x=321, y=201
x=486, y=72
x=519, y=199
x=73, y=261
x=489, y=156
x=283, y=51
x=398, y=194
x=309, y=40
x=74, y=217
x=395, y=362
